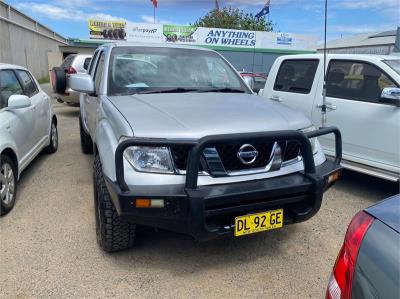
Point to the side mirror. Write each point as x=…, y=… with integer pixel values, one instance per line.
x=260, y=92
x=18, y=101
x=81, y=83
x=249, y=81
x=391, y=96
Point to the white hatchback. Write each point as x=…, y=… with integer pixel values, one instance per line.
x=27, y=126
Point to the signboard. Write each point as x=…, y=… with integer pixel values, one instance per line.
x=180, y=34
x=200, y=36
x=227, y=37
x=109, y=30
x=284, y=39
x=143, y=32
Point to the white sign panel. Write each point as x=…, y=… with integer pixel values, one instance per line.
x=145, y=33
x=286, y=41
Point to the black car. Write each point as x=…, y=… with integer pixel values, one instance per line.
x=368, y=265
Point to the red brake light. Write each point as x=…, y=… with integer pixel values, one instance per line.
x=340, y=284
x=71, y=70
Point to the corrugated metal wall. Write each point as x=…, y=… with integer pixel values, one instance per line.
x=25, y=42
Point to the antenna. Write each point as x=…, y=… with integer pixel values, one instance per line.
x=323, y=122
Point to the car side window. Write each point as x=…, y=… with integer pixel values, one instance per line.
x=99, y=71
x=68, y=61
x=28, y=84
x=355, y=80
x=9, y=85
x=296, y=76
x=86, y=63
x=92, y=62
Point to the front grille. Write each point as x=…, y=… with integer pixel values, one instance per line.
x=231, y=162
x=291, y=150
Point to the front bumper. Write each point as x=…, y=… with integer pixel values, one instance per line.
x=208, y=212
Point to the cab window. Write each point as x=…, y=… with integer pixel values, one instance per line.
x=9, y=85
x=296, y=76
x=28, y=84
x=356, y=80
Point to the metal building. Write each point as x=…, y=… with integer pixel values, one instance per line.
x=26, y=42
x=382, y=43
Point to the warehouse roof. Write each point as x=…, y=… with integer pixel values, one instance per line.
x=360, y=40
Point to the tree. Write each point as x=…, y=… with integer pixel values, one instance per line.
x=233, y=18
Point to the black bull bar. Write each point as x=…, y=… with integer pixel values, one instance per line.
x=199, y=145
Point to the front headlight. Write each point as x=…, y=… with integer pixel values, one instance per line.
x=149, y=159
x=313, y=141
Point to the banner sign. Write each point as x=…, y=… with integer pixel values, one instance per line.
x=110, y=30
x=143, y=32
x=227, y=37
x=200, y=36
x=180, y=34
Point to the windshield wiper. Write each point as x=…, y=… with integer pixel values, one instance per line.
x=169, y=90
x=224, y=89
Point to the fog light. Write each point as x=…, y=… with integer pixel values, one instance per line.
x=149, y=203
x=157, y=203
x=333, y=177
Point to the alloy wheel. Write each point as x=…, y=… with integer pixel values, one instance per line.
x=7, y=184
x=54, y=135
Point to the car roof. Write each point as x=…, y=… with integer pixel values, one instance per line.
x=5, y=66
x=153, y=45
x=343, y=56
x=387, y=211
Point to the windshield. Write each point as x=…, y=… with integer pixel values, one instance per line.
x=146, y=70
x=394, y=64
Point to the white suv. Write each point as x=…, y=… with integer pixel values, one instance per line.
x=27, y=126
x=73, y=64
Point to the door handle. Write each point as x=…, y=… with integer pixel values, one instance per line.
x=275, y=98
x=329, y=106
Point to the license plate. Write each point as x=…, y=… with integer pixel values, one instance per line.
x=255, y=223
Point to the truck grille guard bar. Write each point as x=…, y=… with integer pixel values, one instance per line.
x=198, y=146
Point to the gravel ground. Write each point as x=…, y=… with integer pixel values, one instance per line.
x=48, y=245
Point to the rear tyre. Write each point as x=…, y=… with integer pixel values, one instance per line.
x=86, y=140
x=53, y=146
x=8, y=184
x=112, y=233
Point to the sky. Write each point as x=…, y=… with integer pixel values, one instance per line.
x=345, y=17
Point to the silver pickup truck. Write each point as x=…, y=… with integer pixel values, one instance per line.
x=181, y=143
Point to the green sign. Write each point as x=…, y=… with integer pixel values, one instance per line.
x=181, y=34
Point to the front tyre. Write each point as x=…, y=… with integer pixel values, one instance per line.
x=112, y=233
x=8, y=184
x=53, y=146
